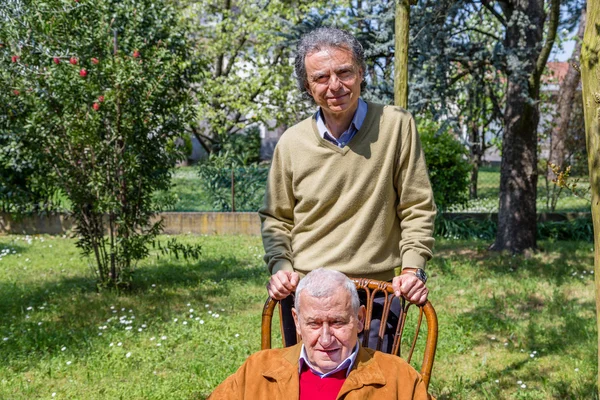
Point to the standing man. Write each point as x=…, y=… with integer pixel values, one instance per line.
x=348, y=187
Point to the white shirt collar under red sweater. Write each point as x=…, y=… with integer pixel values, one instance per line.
x=346, y=364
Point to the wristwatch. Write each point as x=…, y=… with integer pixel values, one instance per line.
x=419, y=273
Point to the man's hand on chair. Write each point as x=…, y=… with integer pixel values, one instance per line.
x=411, y=288
x=282, y=283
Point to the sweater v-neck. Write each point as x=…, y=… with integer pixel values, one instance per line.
x=366, y=125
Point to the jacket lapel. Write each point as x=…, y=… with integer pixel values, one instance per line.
x=364, y=373
x=286, y=374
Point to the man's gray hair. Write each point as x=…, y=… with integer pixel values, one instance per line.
x=324, y=283
x=326, y=38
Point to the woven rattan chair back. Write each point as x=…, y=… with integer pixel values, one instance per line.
x=372, y=289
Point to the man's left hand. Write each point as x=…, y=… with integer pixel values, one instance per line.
x=411, y=288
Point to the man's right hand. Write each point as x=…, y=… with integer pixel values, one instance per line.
x=282, y=284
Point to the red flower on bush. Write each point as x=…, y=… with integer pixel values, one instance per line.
x=101, y=99
x=96, y=106
x=136, y=54
x=16, y=92
x=56, y=60
x=15, y=58
x=83, y=73
x=95, y=60
x=73, y=61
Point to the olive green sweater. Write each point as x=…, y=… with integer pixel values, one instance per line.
x=363, y=209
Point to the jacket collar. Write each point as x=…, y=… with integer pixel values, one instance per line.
x=365, y=372
x=285, y=372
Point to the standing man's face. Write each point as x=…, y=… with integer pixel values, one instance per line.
x=334, y=80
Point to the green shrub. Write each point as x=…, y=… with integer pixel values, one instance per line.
x=465, y=228
x=235, y=160
x=580, y=229
x=448, y=165
x=249, y=182
x=451, y=226
x=244, y=147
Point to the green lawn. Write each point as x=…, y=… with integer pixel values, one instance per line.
x=185, y=326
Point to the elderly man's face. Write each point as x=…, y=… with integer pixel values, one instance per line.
x=328, y=327
x=333, y=80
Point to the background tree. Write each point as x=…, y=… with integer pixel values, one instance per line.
x=566, y=129
x=452, y=63
x=590, y=73
x=104, y=91
x=527, y=50
x=565, y=102
x=249, y=46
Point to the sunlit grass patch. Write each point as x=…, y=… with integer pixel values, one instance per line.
x=511, y=327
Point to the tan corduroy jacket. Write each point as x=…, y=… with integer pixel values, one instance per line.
x=273, y=375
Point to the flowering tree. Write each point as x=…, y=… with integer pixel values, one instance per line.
x=99, y=92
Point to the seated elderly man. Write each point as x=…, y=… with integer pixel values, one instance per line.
x=329, y=363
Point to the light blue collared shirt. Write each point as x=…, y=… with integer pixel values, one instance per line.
x=345, y=137
x=346, y=364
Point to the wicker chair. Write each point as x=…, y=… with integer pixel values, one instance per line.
x=372, y=288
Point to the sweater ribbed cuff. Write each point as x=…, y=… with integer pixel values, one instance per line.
x=412, y=259
x=282, y=265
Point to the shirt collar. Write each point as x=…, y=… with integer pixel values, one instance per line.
x=346, y=364
x=359, y=117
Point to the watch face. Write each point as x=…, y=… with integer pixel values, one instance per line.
x=421, y=275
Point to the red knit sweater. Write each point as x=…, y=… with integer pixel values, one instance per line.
x=312, y=387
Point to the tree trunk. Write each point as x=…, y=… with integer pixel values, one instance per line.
x=518, y=171
x=590, y=77
x=566, y=95
x=401, y=53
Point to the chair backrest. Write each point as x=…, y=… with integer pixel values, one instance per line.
x=371, y=289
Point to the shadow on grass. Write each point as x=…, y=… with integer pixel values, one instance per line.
x=557, y=322
x=557, y=271
x=40, y=319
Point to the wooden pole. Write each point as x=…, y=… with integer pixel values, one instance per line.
x=590, y=79
x=402, y=23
